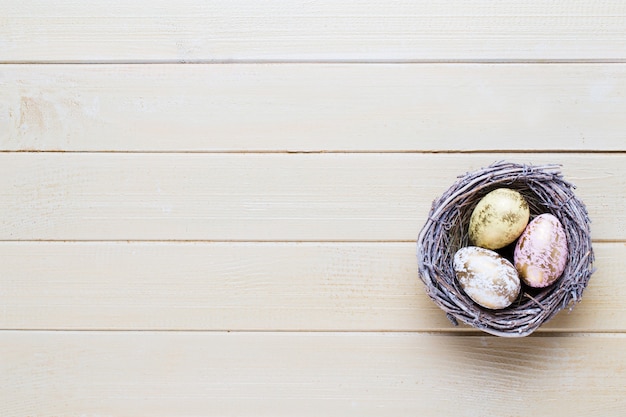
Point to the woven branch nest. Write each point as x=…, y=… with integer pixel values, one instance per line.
x=446, y=231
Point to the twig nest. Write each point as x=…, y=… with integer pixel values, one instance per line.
x=447, y=230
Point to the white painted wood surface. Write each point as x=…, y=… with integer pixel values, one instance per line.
x=236, y=236
x=268, y=373
x=259, y=196
x=295, y=286
x=313, y=107
x=321, y=30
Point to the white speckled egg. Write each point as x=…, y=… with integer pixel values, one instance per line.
x=486, y=277
x=498, y=219
x=541, y=252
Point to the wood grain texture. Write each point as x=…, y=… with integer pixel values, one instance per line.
x=326, y=30
x=181, y=374
x=210, y=207
x=302, y=107
x=251, y=286
x=269, y=197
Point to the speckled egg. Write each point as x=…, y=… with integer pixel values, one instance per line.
x=498, y=219
x=486, y=277
x=541, y=252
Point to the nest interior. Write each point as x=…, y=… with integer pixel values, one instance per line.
x=445, y=231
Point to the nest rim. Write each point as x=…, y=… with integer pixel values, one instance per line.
x=445, y=231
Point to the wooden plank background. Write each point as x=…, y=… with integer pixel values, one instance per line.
x=313, y=107
x=303, y=30
x=211, y=207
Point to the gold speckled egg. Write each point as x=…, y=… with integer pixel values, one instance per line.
x=498, y=219
x=486, y=277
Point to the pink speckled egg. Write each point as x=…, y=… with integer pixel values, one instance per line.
x=541, y=251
